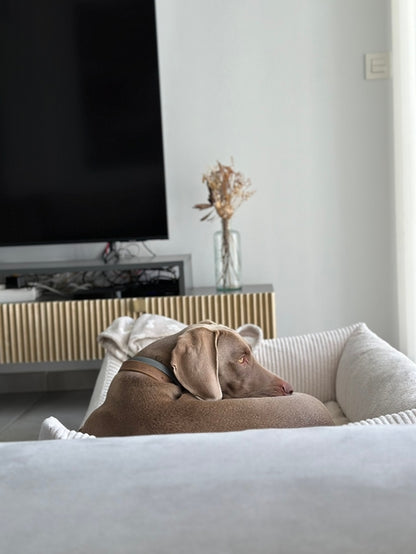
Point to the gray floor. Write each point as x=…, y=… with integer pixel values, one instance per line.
x=21, y=414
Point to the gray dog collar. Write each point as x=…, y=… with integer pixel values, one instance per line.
x=161, y=367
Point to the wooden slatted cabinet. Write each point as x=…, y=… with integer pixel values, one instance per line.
x=66, y=331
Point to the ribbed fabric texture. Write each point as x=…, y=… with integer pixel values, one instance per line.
x=373, y=378
x=53, y=429
x=407, y=417
x=109, y=369
x=338, y=416
x=308, y=362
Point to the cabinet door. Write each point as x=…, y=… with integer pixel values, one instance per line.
x=68, y=330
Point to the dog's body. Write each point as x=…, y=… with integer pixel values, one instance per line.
x=203, y=379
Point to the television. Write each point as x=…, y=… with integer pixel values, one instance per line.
x=81, y=149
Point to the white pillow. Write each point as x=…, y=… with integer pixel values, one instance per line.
x=373, y=378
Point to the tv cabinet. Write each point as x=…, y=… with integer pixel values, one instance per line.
x=181, y=262
x=35, y=334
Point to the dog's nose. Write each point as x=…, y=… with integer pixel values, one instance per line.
x=287, y=388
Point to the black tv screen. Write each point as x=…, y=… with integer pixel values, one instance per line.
x=81, y=150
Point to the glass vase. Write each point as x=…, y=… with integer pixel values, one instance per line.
x=227, y=251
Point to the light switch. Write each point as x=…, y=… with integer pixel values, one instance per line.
x=377, y=65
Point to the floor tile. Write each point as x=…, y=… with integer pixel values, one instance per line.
x=26, y=416
x=13, y=406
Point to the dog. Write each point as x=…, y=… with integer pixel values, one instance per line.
x=202, y=379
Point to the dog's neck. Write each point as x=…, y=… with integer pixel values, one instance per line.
x=145, y=365
x=154, y=363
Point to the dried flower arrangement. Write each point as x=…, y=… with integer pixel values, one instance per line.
x=227, y=189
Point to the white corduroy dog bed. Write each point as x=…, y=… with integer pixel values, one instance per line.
x=357, y=375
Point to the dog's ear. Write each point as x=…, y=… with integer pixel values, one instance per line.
x=195, y=363
x=252, y=334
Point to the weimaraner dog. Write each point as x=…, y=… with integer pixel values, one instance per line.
x=202, y=379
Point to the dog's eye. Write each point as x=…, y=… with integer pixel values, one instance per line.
x=242, y=360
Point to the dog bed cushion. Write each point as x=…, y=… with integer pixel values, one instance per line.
x=373, y=378
x=408, y=417
x=358, y=376
x=53, y=429
x=309, y=362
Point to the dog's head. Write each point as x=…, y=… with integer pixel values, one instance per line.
x=212, y=361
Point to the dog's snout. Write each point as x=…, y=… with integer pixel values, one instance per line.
x=287, y=388
x=282, y=388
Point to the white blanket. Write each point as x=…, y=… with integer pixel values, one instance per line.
x=126, y=336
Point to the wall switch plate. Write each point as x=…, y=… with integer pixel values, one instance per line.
x=377, y=65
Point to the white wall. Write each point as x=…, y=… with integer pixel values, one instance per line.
x=279, y=85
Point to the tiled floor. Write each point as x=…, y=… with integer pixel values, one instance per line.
x=21, y=415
